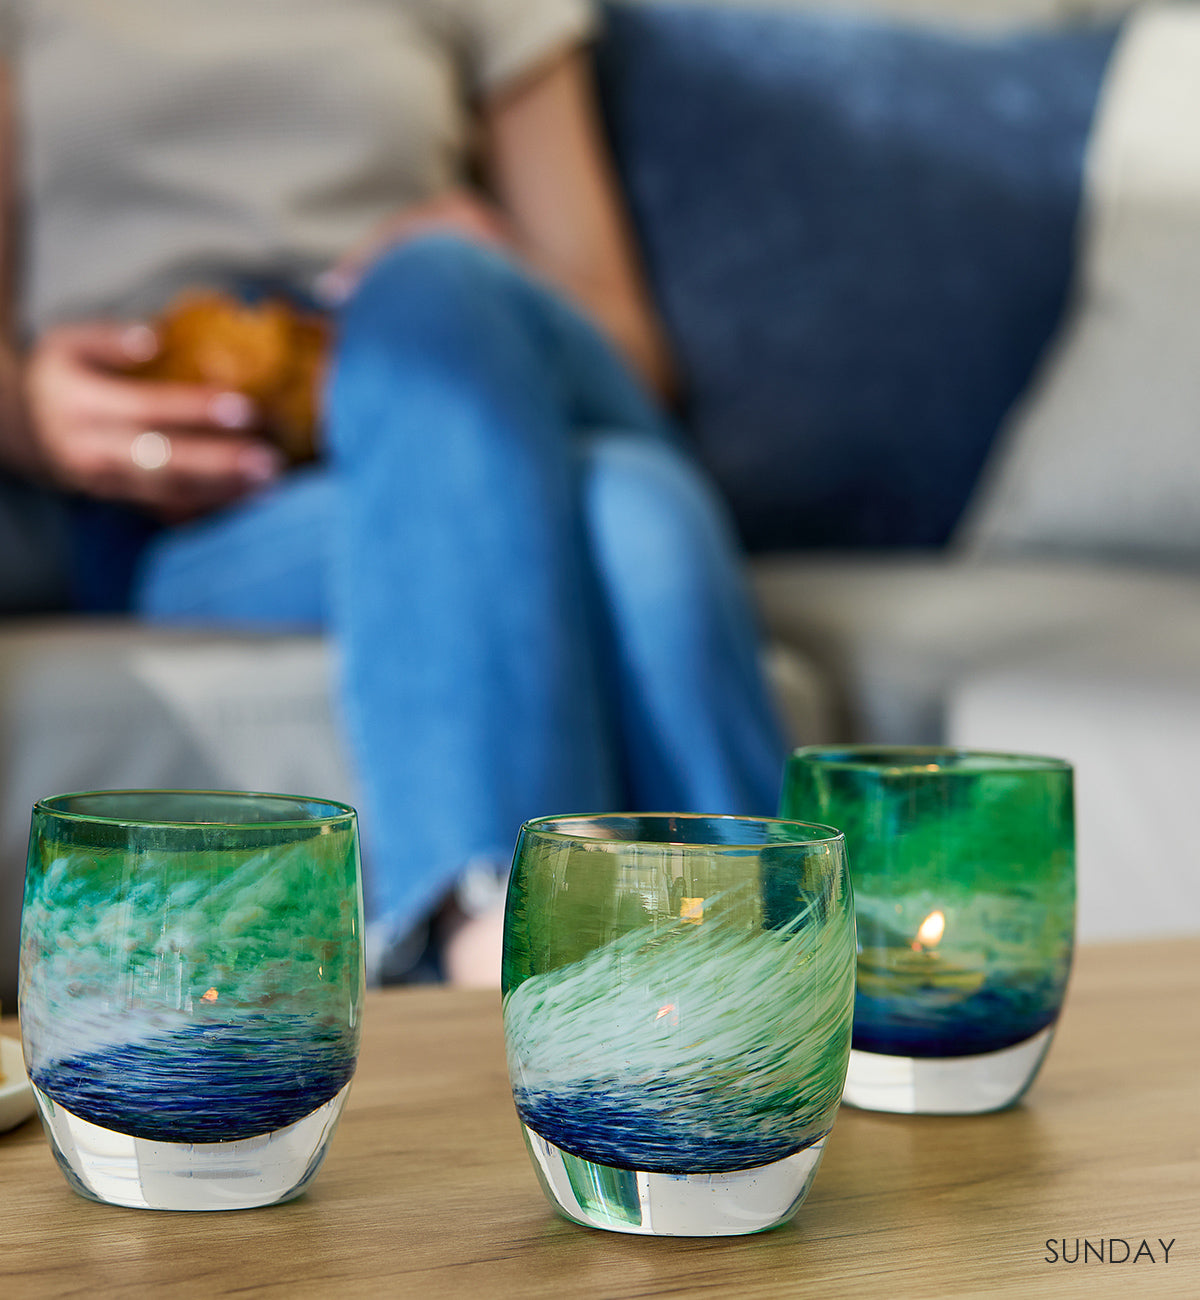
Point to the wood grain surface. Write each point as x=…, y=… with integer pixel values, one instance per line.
x=428, y=1192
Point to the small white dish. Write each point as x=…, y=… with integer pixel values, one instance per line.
x=16, y=1092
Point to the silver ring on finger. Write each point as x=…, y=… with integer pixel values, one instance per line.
x=150, y=450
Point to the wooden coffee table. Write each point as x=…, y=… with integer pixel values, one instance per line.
x=428, y=1192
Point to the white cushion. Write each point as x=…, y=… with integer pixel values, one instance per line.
x=892, y=637
x=1103, y=454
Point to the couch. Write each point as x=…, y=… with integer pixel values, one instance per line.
x=932, y=272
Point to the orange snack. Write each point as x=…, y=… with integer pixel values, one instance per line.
x=270, y=351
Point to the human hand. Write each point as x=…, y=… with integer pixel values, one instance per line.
x=178, y=450
x=456, y=212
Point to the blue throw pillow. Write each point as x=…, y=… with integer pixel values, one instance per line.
x=860, y=234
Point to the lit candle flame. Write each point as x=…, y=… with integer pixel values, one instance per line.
x=930, y=931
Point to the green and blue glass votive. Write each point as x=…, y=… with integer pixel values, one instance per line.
x=678, y=992
x=964, y=880
x=191, y=989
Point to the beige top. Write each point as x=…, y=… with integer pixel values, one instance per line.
x=170, y=142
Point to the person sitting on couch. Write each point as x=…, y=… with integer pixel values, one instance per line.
x=535, y=595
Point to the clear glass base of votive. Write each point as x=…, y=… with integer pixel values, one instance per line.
x=958, y=1085
x=673, y=1205
x=117, y=1169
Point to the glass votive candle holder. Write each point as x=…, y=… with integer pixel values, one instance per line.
x=191, y=991
x=963, y=865
x=678, y=992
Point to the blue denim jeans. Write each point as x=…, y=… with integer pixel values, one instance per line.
x=536, y=598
